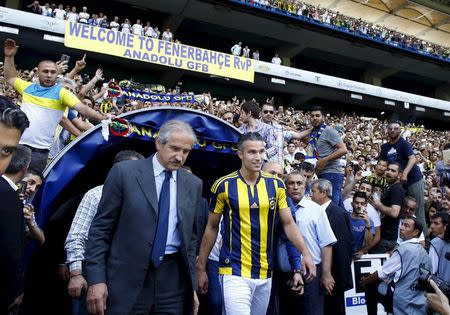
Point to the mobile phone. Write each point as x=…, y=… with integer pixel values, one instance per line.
x=22, y=187
x=366, y=173
x=64, y=57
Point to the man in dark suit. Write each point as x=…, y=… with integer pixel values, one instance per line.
x=140, y=256
x=321, y=192
x=12, y=229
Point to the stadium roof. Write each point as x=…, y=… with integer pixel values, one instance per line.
x=426, y=19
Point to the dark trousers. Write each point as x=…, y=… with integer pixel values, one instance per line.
x=166, y=289
x=310, y=303
x=39, y=158
x=373, y=297
x=215, y=296
x=335, y=303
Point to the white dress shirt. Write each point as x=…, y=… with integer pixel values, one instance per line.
x=392, y=268
x=312, y=221
x=371, y=211
x=10, y=182
x=173, y=235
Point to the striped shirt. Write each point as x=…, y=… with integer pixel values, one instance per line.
x=249, y=218
x=268, y=133
x=44, y=107
x=375, y=181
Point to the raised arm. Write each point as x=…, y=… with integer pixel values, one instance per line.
x=10, y=51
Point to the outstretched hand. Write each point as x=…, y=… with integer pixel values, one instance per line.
x=10, y=48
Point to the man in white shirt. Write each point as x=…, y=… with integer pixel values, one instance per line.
x=236, y=49
x=137, y=28
x=402, y=268
x=115, y=25
x=156, y=32
x=246, y=52
x=83, y=16
x=72, y=16
x=409, y=207
x=312, y=221
x=256, y=54
x=167, y=35
x=59, y=13
x=276, y=60
x=46, y=10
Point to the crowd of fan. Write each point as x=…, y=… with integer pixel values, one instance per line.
x=72, y=15
x=290, y=7
x=295, y=8
x=297, y=141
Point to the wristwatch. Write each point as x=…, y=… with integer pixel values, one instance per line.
x=368, y=227
x=298, y=271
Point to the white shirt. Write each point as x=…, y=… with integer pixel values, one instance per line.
x=125, y=28
x=167, y=36
x=10, y=182
x=246, y=52
x=84, y=16
x=371, y=211
x=46, y=11
x=325, y=205
x=236, y=50
x=114, y=25
x=137, y=29
x=149, y=31
x=276, y=60
x=400, y=241
x=72, y=17
x=173, y=235
x=60, y=14
x=392, y=268
x=312, y=221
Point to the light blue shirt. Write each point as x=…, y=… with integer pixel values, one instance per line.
x=173, y=234
x=312, y=221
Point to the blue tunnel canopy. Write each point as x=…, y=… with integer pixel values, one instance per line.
x=85, y=162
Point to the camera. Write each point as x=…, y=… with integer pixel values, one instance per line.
x=424, y=282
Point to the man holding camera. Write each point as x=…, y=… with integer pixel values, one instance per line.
x=403, y=270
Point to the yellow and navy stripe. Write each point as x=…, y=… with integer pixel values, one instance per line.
x=249, y=218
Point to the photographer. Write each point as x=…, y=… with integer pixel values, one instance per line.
x=403, y=268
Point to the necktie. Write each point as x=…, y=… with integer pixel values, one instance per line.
x=159, y=243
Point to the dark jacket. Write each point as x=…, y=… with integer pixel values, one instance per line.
x=342, y=249
x=122, y=232
x=12, y=245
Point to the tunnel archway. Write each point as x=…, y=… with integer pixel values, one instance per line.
x=85, y=163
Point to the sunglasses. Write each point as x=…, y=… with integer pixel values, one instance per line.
x=268, y=111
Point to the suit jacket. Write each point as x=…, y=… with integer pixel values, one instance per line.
x=12, y=245
x=122, y=232
x=342, y=249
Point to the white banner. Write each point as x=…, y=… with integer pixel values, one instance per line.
x=31, y=20
x=355, y=299
x=36, y=21
x=348, y=85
